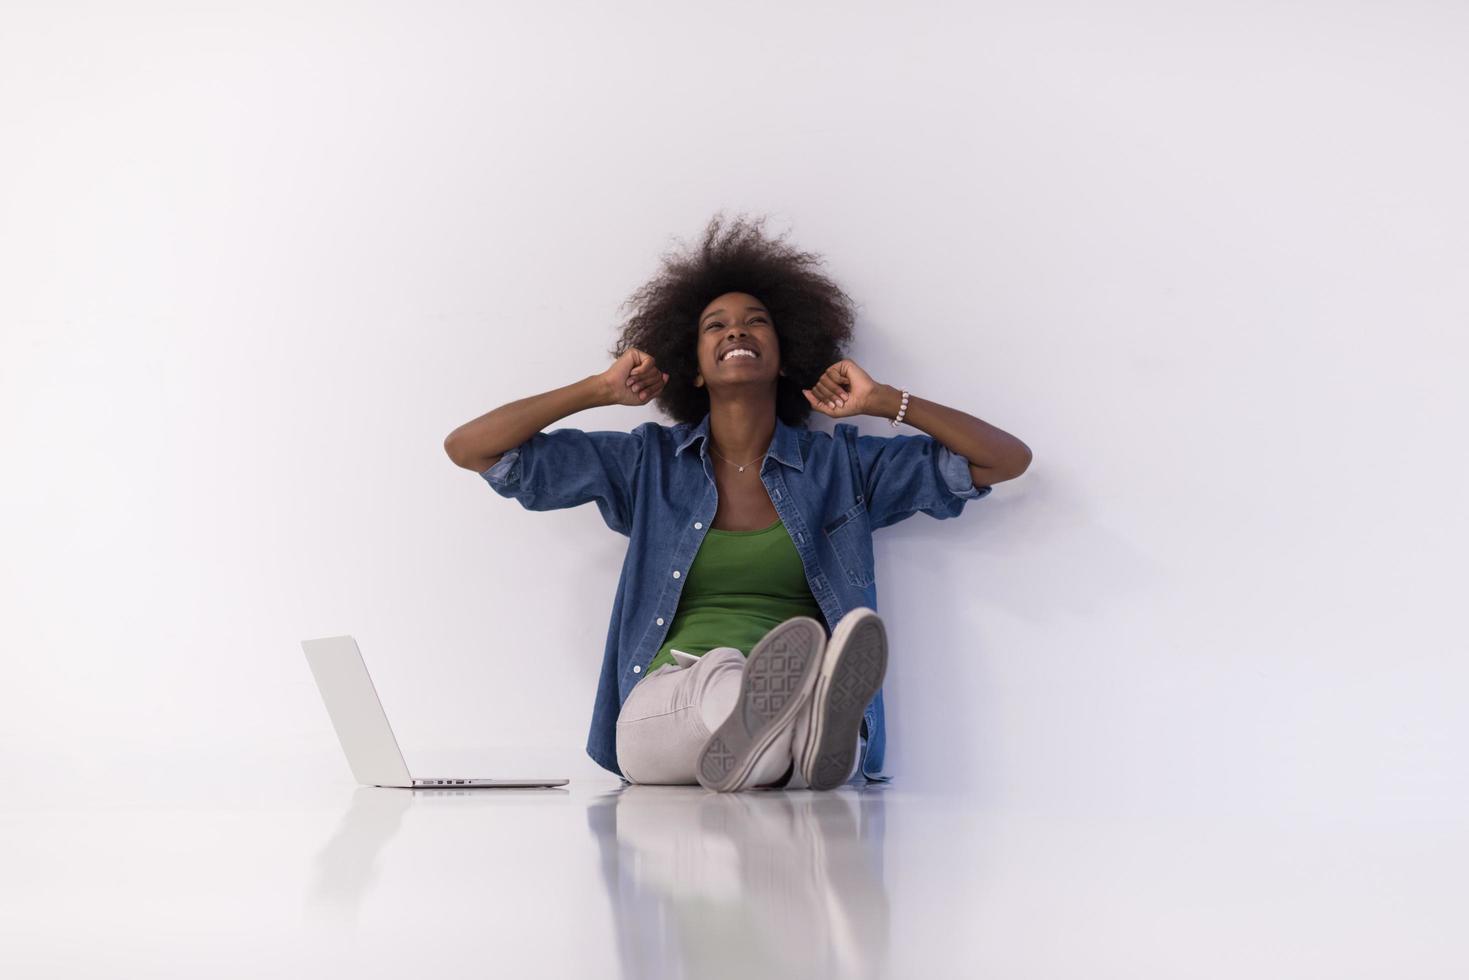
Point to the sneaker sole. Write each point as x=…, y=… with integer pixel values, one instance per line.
x=779, y=675
x=856, y=663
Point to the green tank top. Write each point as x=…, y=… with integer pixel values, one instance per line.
x=740, y=585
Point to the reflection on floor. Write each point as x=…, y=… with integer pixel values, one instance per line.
x=241, y=871
x=783, y=883
x=779, y=883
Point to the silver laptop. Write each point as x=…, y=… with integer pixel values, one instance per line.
x=362, y=725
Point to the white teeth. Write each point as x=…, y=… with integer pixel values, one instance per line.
x=738, y=352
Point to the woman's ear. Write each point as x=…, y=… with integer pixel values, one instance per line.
x=698, y=381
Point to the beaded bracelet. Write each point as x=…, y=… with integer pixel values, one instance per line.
x=902, y=408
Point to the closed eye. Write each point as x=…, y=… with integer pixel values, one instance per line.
x=716, y=323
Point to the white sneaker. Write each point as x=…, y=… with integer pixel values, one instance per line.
x=754, y=742
x=825, y=748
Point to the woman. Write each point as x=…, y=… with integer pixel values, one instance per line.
x=747, y=531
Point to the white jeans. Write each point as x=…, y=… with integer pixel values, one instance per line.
x=671, y=713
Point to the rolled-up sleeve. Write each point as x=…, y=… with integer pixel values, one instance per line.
x=569, y=467
x=908, y=474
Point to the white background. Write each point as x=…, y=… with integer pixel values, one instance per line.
x=1206, y=260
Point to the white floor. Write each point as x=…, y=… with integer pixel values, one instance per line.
x=286, y=868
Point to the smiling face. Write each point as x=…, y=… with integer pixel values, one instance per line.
x=730, y=322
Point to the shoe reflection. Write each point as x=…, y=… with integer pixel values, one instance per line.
x=786, y=883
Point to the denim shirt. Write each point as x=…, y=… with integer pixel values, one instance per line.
x=655, y=485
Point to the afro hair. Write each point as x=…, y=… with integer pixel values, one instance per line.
x=812, y=316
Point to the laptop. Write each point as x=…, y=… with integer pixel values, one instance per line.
x=362, y=725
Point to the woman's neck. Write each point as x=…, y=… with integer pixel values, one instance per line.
x=740, y=429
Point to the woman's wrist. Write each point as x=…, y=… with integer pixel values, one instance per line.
x=885, y=402
x=596, y=391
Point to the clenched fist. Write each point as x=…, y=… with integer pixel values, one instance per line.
x=843, y=390
x=633, y=379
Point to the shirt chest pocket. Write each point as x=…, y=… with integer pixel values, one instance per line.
x=850, y=536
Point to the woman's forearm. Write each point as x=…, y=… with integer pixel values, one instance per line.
x=993, y=453
x=478, y=444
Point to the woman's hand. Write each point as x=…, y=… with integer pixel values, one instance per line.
x=633, y=379
x=843, y=390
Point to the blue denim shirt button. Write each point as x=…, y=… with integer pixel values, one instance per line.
x=660, y=620
x=636, y=669
x=675, y=573
x=698, y=524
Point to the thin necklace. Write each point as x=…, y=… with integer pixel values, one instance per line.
x=736, y=465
